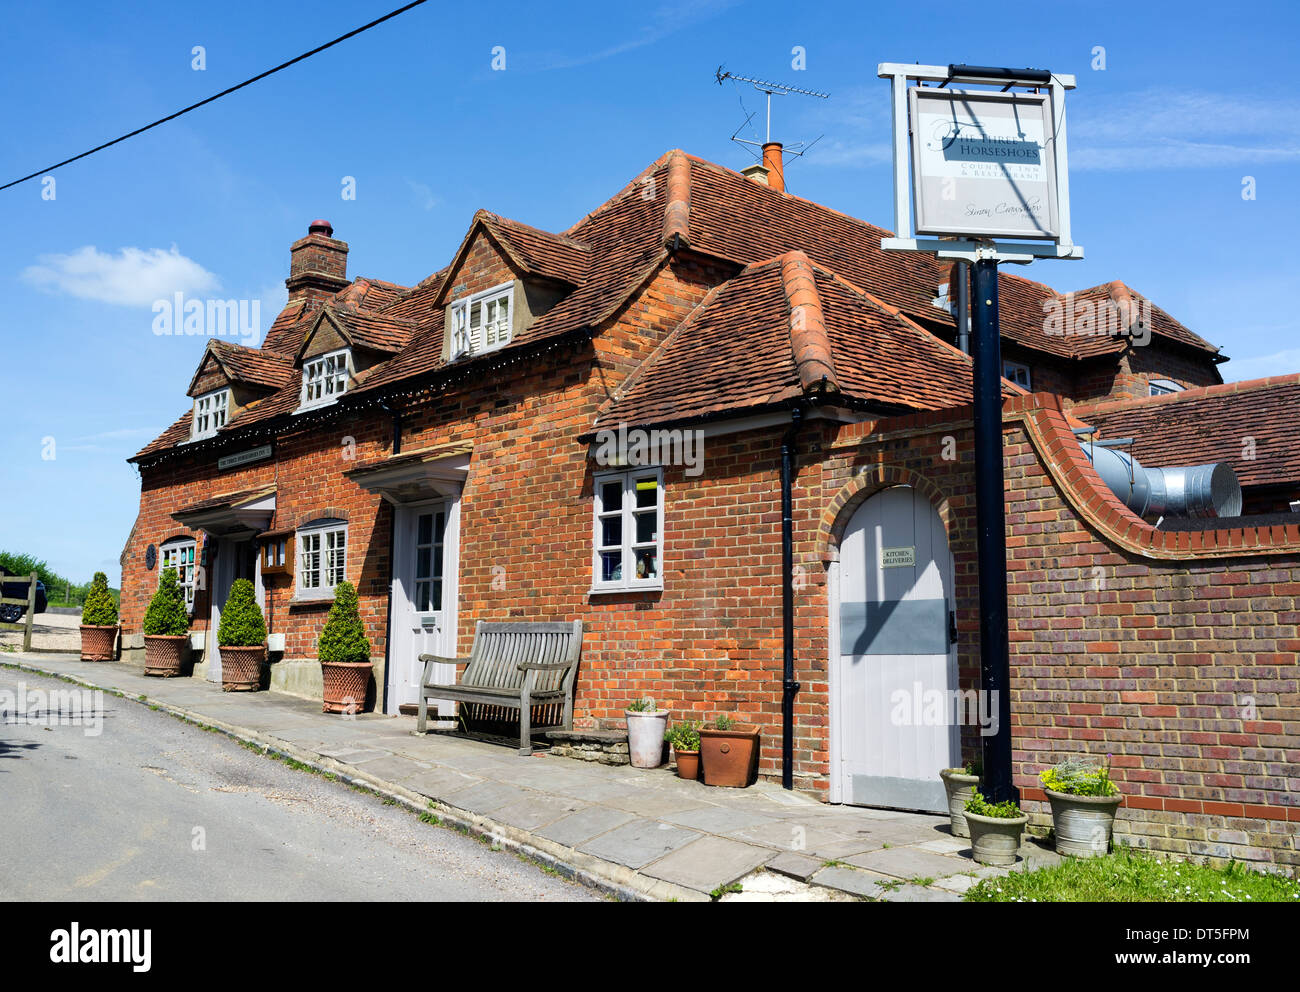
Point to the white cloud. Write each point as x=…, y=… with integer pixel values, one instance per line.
x=423, y=195
x=1180, y=129
x=134, y=277
x=663, y=20
x=1261, y=366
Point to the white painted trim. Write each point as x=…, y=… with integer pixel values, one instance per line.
x=480, y=299
x=833, y=681
x=224, y=408
x=302, y=591
x=627, y=512
x=325, y=399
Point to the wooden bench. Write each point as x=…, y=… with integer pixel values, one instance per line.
x=512, y=664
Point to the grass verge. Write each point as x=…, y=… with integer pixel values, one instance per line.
x=1129, y=875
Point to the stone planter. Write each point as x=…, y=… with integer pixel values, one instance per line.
x=1083, y=824
x=241, y=668
x=346, y=684
x=163, y=654
x=729, y=758
x=995, y=839
x=98, y=643
x=645, y=737
x=688, y=764
x=959, y=787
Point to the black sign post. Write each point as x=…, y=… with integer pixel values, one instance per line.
x=990, y=527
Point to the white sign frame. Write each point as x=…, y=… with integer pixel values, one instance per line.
x=970, y=249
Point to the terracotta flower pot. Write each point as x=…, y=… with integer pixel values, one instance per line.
x=959, y=787
x=994, y=839
x=645, y=737
x=241, y=668
x=346, y=684
x=688, y=764
x=1083, y=824
x=98, y=643
x=163, y=654
x=730, y=757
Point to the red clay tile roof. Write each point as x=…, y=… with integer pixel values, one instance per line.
x=682, y=200
x=1212, y=424
x=376, y=331
x=737, y=351
x=254, y=366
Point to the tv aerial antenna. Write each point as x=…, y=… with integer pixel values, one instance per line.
x=769, y=89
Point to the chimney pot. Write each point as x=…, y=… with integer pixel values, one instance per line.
x=775, y=165
x=321, y=227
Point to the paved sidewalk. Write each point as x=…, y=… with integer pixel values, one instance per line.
x=633, y=832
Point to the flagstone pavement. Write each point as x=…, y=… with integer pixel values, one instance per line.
x=637, y=834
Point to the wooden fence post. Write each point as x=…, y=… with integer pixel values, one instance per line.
x=31, y=609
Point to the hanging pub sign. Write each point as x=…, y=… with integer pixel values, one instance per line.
x=983, y=163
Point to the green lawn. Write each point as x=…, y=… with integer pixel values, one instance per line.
x=1134, y=876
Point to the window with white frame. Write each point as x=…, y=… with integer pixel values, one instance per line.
x=1162, y=387
x=1017, y=373
x=178, y=555
x=629, y=523
x=322, y=557
x=481, y=322
x=325, y=378
x=210, y=410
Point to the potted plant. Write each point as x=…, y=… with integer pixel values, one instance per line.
x=645, y=733
x=344, y=653
x=242, y=638
x=98, y=622
x=960, y=784
x=685, y=741
x=729, y=753
x=166, y=629
x=1084, y=801
x=995, y=829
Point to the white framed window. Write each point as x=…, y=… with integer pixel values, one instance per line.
x=178, y=555
x=627, y=550
x=1017, y=373
x=1163, y=387
x=481, y=322
x=322, y=557
x=325, y=378
x=210, y=410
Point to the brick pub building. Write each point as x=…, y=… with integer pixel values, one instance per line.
x=440, y=447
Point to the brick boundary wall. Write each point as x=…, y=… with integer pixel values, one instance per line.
x=1176, y=655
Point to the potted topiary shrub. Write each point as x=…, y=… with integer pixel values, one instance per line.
x=645, y=733
x=344, y=653
x=1084, y=801
x=995, y=829
x=960, y=784
x=685, y=741
x=729, y=753
x=242, y=637
x=166, y=628
x=98, y=622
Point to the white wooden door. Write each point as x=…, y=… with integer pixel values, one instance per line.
x=423, y=600
x=897, y=665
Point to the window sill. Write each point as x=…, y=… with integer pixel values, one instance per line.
x=614, y=590
x=313, y=599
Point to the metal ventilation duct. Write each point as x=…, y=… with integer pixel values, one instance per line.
x=1182, y=491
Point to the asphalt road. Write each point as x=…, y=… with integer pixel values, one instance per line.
x=153, y=809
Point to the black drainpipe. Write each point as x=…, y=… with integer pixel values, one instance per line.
x=392, y=536
x=789, y=687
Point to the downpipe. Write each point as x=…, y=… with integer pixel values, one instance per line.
x=789, y=687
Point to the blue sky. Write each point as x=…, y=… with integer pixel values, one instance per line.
x=1191, y=100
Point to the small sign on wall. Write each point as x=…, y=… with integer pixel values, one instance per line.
x=897, y=557
x=243, y=457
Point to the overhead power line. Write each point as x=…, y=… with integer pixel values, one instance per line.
x=217, y=96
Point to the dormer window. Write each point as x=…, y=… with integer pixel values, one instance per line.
x=210, y=411
x=325, y=378
x=481, y=322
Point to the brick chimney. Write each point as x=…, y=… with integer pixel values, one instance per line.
x=775, y=165
x=318, y=266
